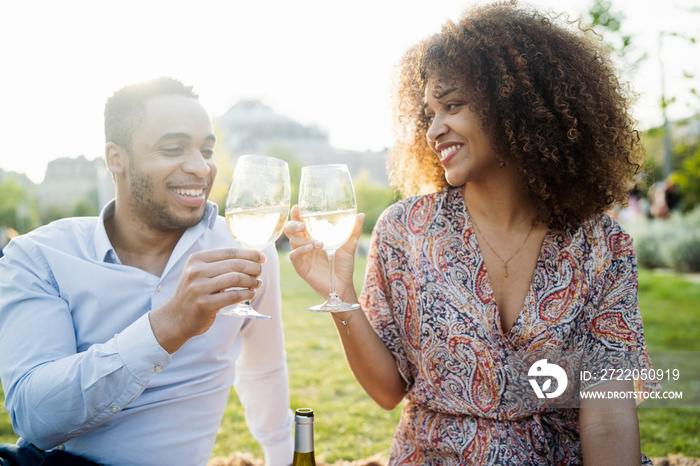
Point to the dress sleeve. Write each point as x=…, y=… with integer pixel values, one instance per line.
x=615, y=338
x=386, y=307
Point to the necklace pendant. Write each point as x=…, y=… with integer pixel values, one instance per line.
x=505, y=268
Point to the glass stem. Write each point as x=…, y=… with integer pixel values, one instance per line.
x=332, y=296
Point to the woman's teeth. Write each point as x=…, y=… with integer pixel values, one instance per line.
x=449, y=150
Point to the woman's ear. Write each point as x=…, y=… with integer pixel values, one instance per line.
x=115, y=158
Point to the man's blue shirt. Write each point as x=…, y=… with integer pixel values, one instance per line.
x=82, y=370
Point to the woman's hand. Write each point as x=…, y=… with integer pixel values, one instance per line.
x=311, y=262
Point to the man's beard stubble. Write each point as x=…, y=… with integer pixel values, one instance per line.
x=157, y=215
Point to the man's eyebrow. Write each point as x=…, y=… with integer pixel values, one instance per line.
x=168, y=136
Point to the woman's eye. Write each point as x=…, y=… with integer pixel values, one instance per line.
x=172, y=150
x=208, y=153
x=452, y=106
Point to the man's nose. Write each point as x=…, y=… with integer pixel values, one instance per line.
x=198, y=164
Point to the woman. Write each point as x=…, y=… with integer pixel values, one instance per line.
x=518, y=131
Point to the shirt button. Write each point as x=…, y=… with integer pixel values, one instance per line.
x=114, y=408
x=157, y=368
x=159, y=288
x=61, y=447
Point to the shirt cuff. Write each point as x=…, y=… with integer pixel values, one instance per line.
x=140, y=351
x=279, y=453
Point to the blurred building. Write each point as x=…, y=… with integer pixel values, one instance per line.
x=21, y=178
x=251, y=127
x=248, y=127
x=69, y=181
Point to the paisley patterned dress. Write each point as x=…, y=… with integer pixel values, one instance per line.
x=428, y=297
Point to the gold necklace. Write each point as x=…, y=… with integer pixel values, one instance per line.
x=505, y=262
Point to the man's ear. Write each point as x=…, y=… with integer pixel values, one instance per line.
x=115, y=158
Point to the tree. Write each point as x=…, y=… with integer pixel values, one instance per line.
x=280, y=151
x=53, y=212
x=372, y=199
x=687, y=177
x=17, y=206
x=602, y=17
x=223, y=159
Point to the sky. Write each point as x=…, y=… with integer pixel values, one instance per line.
x=321, y=62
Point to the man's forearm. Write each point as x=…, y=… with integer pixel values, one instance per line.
x=61, y=399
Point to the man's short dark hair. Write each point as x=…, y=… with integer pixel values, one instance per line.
x=124, y=111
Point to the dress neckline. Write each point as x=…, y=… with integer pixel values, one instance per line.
x=517, y=327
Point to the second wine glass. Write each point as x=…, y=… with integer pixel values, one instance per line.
x=257, y=207
x=328, y=209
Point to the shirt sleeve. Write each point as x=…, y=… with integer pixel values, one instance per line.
x=262, y=380
x=52, y=392
x=615, y=339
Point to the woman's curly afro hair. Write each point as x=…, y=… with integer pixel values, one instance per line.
x=548, y=96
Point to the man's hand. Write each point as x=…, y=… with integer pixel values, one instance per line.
x=204, y=288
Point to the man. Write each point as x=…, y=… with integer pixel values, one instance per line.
x=111, y=347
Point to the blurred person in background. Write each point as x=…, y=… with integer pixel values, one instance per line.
x=664, y=198
x=6, y=234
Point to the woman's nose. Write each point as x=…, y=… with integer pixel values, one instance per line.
x=436, y=129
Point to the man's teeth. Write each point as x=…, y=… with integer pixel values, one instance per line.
x=189, y=192
x=449, y=150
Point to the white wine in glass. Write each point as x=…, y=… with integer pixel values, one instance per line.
x=328, y=209
x=257, y=207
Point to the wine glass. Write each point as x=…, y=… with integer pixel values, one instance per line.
x=328, y=209
x=257, y=206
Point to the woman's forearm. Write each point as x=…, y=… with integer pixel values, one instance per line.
x=609, y=429
x=370, y=360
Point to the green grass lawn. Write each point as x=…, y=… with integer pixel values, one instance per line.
x=671, y=311
x=349, y=425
